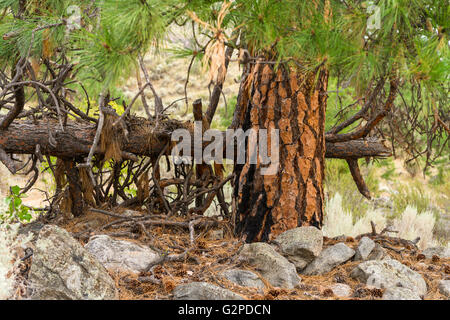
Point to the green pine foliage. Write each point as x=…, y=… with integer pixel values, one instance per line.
x=410, y=39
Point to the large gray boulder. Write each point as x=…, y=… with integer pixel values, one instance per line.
x=399, y=293
x=389, y=274
x=300, y=245
x=120, y=254
x=203, y=291
x=329, y=258
x=441, y=252
x=243, y=278
x=62, y=270
x=275, y=268
x=444, y=288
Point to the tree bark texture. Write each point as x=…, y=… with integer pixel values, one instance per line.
x=293, y=102
x=22, y=136
x=75, y=192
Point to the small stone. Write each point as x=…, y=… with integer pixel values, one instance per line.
x=378, y=253
x=329, y=258
x=399, y=293
x=270, y=264
x=203, y=291
x=243, y=278
x=300, y=245
x=389, y=274
x=341, y=290
x=444, y=288
x=121, y=254
x=365, y=247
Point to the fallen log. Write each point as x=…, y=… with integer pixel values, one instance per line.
x=144, y=138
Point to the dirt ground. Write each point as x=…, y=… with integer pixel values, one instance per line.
x=208, y=257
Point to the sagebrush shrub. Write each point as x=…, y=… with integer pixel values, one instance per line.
x=413, y=224
x=338, y=221
x=410, y=224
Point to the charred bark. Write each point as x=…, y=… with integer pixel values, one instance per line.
x=267, y=205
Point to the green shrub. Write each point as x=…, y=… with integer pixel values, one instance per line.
x=14, y=209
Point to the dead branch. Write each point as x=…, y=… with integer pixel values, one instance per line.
x=19, y=103
x=391, y=241
x=364, y=131
x=7, y=161
x=357, y=177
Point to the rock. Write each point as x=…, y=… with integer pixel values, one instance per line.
x=273, y=267
x=243, y=278
x=441, y=252
x=369, y=250
x=120, y=254
x=341, y=290
x=378, y=253
x=329, y=259
x=300, y=245
x=399, y=293
x=365, y=247
x=62, y=269
x=31, y=229
x=444, y=287
x=389, y=274
x=203, y=291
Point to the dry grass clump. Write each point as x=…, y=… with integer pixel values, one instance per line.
x=410, y=224
x=338, y=221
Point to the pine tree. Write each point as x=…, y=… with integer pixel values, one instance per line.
x=290, y=52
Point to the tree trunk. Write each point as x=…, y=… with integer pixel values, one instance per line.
x=267, y=205
x=75, y=192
